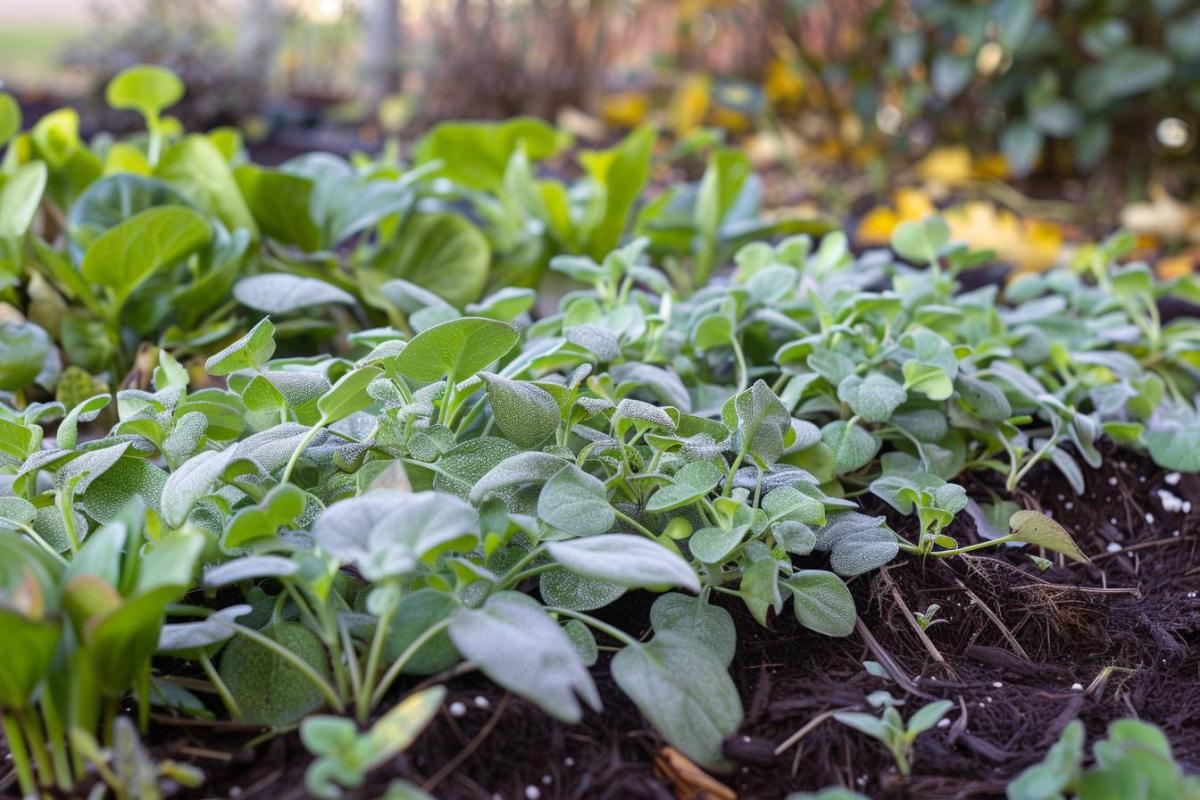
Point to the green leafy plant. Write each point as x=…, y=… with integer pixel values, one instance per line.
x=1133, y=760
x=891, y=729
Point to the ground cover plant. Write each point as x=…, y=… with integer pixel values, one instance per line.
x=322, y=541
x=322, y=530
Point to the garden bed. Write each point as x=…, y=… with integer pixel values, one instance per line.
x=1013, y=644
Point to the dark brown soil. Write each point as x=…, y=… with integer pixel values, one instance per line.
x=1125, y=628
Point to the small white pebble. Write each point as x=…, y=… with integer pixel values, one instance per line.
x=1069, y=506
x=1112, y=481
x=547, y=780
x=1076, y=687
x=981, y=705
x=235, y=791
x=988, y=698
x=1170, y=503
x=1141, y=478
x=746, y=739
x=482, y=702
x=1061, y=497
x=943, y=723
x=1112, y=520
x=1172, y=478
x=997, y=684
x=532, y=792
x=1113, y=547
x=568, y=761
x=861, y=780
x=1191, y=595
x=1149, y=518
x=1175, y=532
x=1187, y=506
x=457, y=708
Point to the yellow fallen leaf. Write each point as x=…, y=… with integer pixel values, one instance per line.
x=625, y=109
x=689, y=781
x=1177, y=266
x=949, y=165
x=783, y=85
x=991, y=166
x=876, y=226
x=1162, y=216
x=912, y=204
x=1031, y=245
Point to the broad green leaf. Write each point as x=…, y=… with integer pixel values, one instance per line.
x=10, y=117
x=524, y=412
x=625, y=560
x=443, y=253
x=1036, y=528
x=456, y=350
x=516, y=644
x=23, y=350
x=920, y=241
x=128, y=253
x=251, y=351
x=685, y=691
x=145, y=88
x=68, y=429
x=714, y=330
x=1058, y=770
x=417, y=613
x=822, y=602
x=576, y=502
x=713, y=545
x=348, y=395
x=691, y=616
x=20, y=195
x=561, y=587
x=476, y=154
x=32, y=643
x=249, y=568
x=280, y=203
x=187, y=638
x=619, y=175
x=195, y=167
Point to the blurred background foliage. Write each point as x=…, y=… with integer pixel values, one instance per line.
x=1031, y=122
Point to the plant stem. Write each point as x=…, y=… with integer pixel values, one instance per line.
x=32, y=728
x=20, y=756
x=57, y=742
x=296, y=661
x=219, y=685
x=300, y=448
x=382, y=625
x=640, y=528
x=616, y=633
x=393, y=672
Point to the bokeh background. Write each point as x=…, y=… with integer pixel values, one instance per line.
x=1033, y=122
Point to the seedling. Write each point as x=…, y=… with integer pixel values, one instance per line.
x=891, y=729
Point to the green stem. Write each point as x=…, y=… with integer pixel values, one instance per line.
x=302, y=666
x=67, y=509
x=235, y=712
x=616, y=633
x=20, y=756
x=382, y=626
x=393, y=672
x=742, y=372
x=633, y=523
x=304, y=443
x=351, y=657
x=32, y=728
x=57, y=741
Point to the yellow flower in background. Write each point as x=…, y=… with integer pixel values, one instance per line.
x=783, y=85
x=1031, y=245
x=690, y=104
x=949, y=165
x=1178, y=266
x=625, y=109
x=877, y=225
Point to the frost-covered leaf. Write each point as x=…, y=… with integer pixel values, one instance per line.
x=822, y=602
x=561, y=587
x=249, y=352
x=194, y=479
x=516, y=470
x=524, y=412
x=684, y=690
x=516, y=644
x=873, y=398
x=575, y=502
x=456, y=349
x=853, y=446
x=249, y=568
x=281, y=293
x=692, y=616
x=386, y=533
x=624, y=559
x=857, y=543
